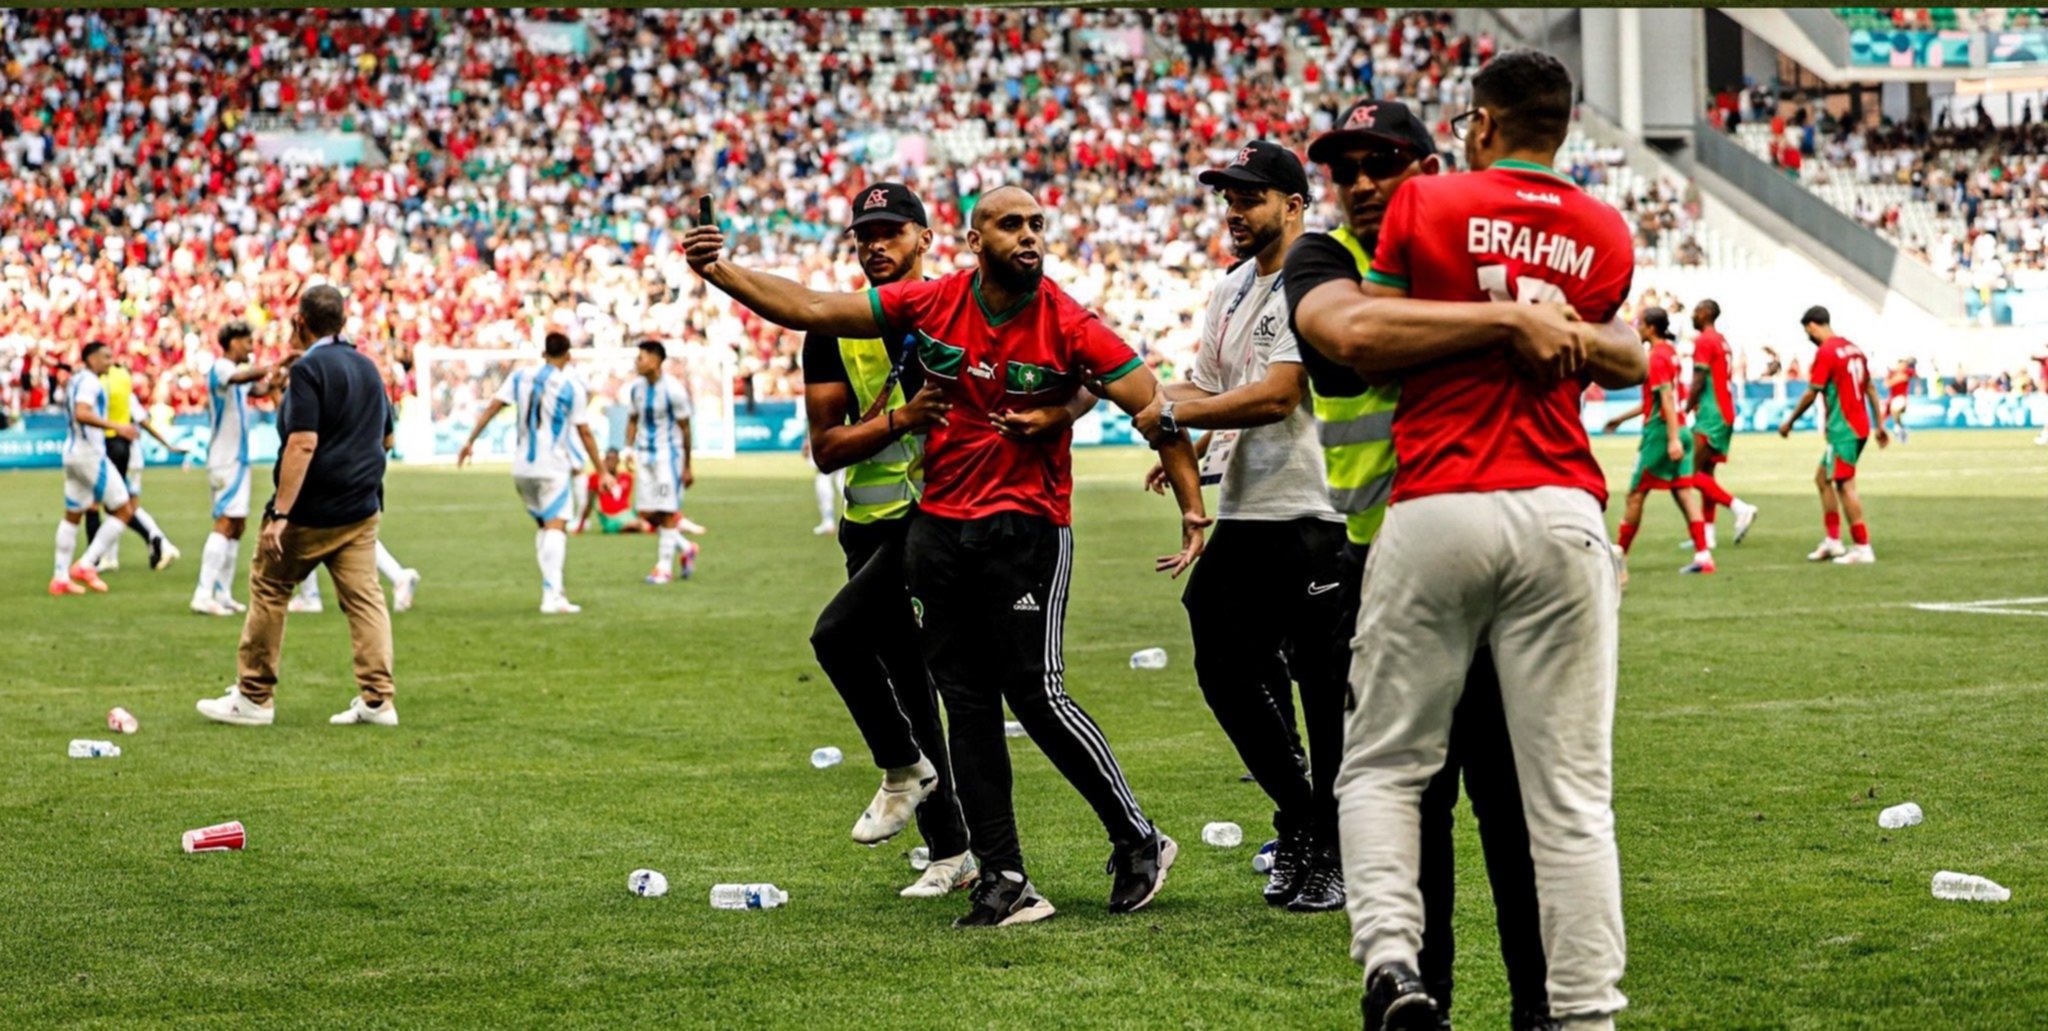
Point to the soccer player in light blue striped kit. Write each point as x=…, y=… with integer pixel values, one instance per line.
x=550, y=400
x=658, y=432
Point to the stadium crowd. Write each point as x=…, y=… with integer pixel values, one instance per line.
x=529, y=184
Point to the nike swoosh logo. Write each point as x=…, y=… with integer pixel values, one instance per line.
x=1316, y=589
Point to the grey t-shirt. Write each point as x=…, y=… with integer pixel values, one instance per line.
x=1277, y=470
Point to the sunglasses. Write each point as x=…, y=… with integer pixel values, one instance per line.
x=1463, y=123
x=1376, y=165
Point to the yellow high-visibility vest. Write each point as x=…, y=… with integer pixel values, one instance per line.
x=1357, y=435
x=886, y=484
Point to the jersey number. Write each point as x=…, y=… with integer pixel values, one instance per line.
x=1859, y=374
x=1528, y=289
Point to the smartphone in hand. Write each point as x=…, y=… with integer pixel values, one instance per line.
x=704, y=215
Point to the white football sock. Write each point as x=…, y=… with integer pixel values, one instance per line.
x=230, y=559
x=827, y=490
x=209, y=565
x=110, y=533
x=148, y=525
x=309, y=590
x=669, y=543
x=390, y=567
x=67, y=546
x=554, y=548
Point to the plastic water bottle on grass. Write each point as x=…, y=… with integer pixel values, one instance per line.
x=1962, y=887
x=747, y=896
x=83, y=748
x=920, y=857
x=826, y=756
x=1906, y=814
x=1150, y=658
x=1262, y=860
x=1223, y=835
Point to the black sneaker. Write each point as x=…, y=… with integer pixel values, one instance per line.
x=156, y=553
x=1140, y=872
x=1322, y=887
x=1395, y=1000
x=1004, y=899
x=1523, y=1020
x=1290, y=865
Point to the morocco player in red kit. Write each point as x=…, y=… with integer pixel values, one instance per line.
x=1841, y=377
x=1495, y=535
x=990, y=558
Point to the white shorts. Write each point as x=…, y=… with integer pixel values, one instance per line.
x=230, y=492
x=546, y=497
x=93, y=481
x=656, y=490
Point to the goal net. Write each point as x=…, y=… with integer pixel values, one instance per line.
x=453, y=386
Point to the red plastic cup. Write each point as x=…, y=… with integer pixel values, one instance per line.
x=121, y=721
x=221, y=837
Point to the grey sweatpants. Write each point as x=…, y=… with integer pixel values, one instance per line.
x=1529, y=573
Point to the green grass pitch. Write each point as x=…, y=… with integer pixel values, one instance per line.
x=468, y=869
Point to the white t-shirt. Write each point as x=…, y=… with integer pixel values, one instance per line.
x=549, y=404
x=1276, y=471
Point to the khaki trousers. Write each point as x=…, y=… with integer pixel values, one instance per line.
x=350, y=555
x=1529, y=574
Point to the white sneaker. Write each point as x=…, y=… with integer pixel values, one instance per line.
x=402, y=591
x=943, y=877
x=690, y=526
x=1860, y=555
x=306, y=605
x=166, y=554
x=558, y=605
x=1829, y=548
x=234, y=707
x=895, y=803
x=108, y=563
x=825, y=529
x=206, y=606
x=385, y=715
x=1745, y=517
x=228, y=600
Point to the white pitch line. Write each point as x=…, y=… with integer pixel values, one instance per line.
x=1989, y=606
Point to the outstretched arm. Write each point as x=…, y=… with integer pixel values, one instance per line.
x=782, y=301
x=1260, y=403
x=1379, y=330
x=490, y=412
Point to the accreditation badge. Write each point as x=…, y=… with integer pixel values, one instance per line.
x=1222, y=445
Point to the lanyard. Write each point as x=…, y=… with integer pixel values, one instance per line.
x=1251, y=351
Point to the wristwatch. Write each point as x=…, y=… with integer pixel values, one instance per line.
x=1166, y=420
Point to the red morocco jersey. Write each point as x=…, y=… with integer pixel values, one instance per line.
x=1517, y=231
x=1710, y=352
x=1842, y=375
x=1033, y=355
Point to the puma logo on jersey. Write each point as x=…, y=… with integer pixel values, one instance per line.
x=1027, y=603
x=983, y=369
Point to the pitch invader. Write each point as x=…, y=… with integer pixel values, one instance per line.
x=89, y=477
x=1841, y=375
x=550, y=400
x=1665, y=461
x=230, y=382
x=1712, y=406
x=658, y=431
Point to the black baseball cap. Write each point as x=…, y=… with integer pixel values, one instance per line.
x=887, y=202
x=1374, y=121
x=1262, y=165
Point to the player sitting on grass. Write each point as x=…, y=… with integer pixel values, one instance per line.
x=614, y=507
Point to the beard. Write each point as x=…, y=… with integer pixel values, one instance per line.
x=1015, y=278
x=1261, y=238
